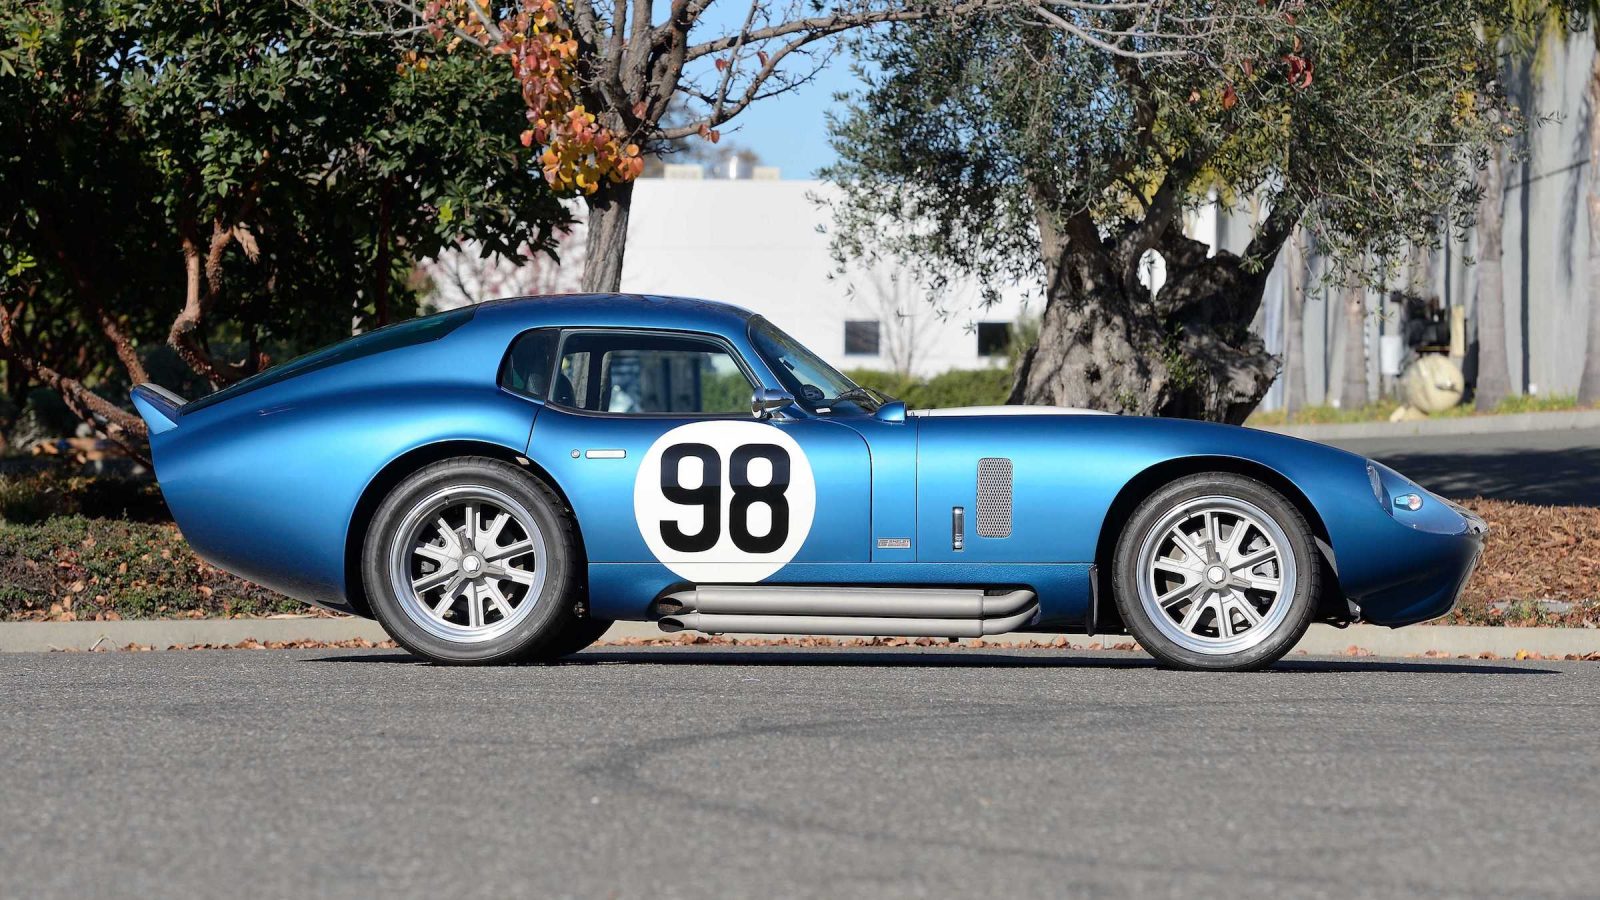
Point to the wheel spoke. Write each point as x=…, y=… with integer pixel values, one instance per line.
x=471, y=532
x=497, y=598
x=1246, y=609
x=491, y=535
x=1192, y=617
x=1252, y=560
x=440, y=555
x=1261, y=582
x=1186, y=544
x=1178, y=568
x=442, y=608
x=434, y=579
x=1213, y=532
x=1224, y=619
x=515, y=548
x=1175, y=595
x=512, y=573
x=474, y=606
x=452, y=540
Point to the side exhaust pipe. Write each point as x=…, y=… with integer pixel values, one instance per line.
x=864, y=626
x=831, y=602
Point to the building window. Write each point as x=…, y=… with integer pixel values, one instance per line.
x=993, y=338
x=861, y=338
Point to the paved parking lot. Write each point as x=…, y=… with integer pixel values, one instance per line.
x=678, y=772
x=1549, y=467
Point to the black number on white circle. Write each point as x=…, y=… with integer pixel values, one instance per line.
x=708, y=497
x=746, y=495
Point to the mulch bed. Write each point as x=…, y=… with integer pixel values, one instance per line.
x=1535, y=553
x=79, y=568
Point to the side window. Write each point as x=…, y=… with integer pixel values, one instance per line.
x=622, y=372
x=528, y=364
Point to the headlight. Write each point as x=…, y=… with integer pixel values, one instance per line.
x=1393, y=490
x=1377, y=484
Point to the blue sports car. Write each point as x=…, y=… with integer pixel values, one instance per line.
x=502, y=482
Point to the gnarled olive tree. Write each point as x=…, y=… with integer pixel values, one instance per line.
x=1004, y=149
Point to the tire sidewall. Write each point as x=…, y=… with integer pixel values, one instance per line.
x=550, y=613
x=1303, y=603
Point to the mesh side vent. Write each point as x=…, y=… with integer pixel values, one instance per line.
x=994, y=497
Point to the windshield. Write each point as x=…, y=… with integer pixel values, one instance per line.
x=817, y=385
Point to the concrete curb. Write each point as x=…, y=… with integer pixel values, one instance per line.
x=1321, y=640
x=1520, y=422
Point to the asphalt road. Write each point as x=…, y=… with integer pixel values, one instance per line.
x=685, y=772
x=1550, y=467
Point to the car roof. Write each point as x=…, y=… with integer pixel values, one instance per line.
x=617, y=310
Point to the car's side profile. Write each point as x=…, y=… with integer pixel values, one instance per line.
x=502, y=482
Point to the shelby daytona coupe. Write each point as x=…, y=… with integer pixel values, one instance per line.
x=502, y=482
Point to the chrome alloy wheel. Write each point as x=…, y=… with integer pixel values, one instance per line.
x=1216, y=575
x=474, y=560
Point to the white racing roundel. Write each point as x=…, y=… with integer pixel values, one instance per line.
x=724, y=501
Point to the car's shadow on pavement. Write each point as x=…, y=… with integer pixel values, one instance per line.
x=960, y=659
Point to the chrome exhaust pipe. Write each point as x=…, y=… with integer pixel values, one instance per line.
x=844, y=602
x=864, y=626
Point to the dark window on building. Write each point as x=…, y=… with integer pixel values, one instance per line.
x=861, y=338
x=993, y=338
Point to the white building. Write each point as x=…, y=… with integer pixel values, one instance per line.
x=760, y=244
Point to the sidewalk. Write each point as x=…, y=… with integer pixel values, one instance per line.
x=1321, y=640
x=1496, y=424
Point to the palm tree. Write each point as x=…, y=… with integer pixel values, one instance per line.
x=1494, y=369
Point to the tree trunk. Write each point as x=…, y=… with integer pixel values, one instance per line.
x=1353, y=390
x=1186, y=353
x=1294, y=311
x=1494, y=370
x=607, y=237
x=1589, y=384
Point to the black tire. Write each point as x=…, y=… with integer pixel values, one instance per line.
x=577, y=635
x=535, y=634
x=1215, y=490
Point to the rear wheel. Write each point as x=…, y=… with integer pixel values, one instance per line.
x=1217, y=571
x=472, y=561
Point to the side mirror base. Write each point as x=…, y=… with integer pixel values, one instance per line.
x=893, y=411
x=765, y=401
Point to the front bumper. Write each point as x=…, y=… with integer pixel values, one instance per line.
x=1445, y=551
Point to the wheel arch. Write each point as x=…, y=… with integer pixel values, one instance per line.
x=396, y=471
x=1152, y=478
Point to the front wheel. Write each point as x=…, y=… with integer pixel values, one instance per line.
x=472, y=561
x=1217, y=571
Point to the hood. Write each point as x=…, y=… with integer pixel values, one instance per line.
x=977, y=411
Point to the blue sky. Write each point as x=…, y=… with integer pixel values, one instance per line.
x=788, y=131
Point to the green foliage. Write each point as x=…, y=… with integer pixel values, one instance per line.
x=957, y=387
x=725, y=392
x=86, y=568
x=1362, y=119
x=137, y=128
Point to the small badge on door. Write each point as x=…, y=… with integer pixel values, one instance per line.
x=894, y=543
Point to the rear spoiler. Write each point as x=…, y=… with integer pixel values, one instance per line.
x=159, y=406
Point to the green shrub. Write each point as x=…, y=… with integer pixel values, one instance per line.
x=957, y=387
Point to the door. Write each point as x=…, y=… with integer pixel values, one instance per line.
x=649, y=434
